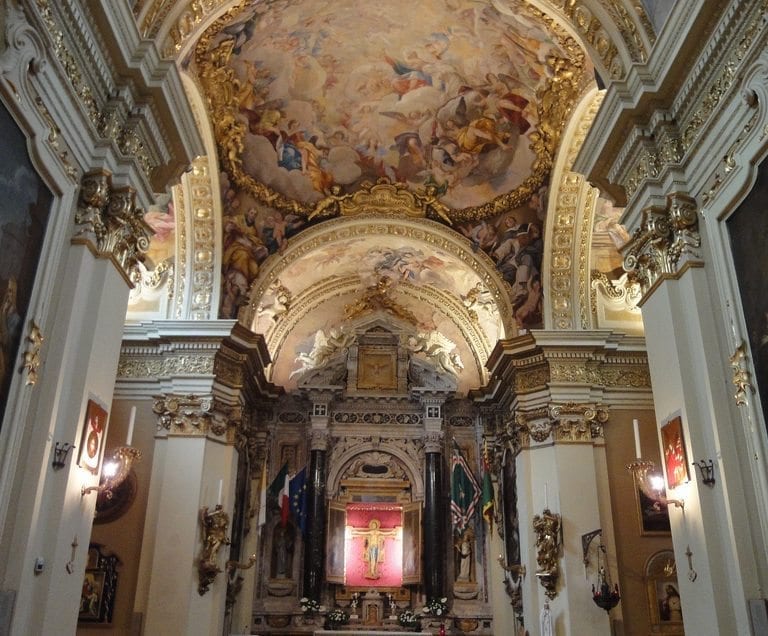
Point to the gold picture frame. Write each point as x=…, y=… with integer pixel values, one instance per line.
x=675, y=454
x=664, y=605
x=92, y=437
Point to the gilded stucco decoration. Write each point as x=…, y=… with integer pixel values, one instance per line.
x=742, y=377
x=110, y=223
x=568, y=246
x=32, y=359
x=666, y=240
x=548, y=531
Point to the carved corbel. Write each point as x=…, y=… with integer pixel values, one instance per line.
x=111, y=224
x=667, y=238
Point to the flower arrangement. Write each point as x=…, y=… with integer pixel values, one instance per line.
x=309, y=605
x=436, y=606
x=408, y=619
x=337, y=616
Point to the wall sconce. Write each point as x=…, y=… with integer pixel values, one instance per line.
x=60, y=452
x=707, y=469
x=214, y=534
x=513, y=579
x=114, y=470
x=650, y=482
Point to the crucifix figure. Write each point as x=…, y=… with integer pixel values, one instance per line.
x=373, y=548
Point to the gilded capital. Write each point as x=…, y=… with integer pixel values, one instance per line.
x=110, y=222
x=578, y=422
x=190, y=416
x=668, y=238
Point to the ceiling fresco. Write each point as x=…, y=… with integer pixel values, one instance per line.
x=451, y=97
x=445, y=109
x=335, y=95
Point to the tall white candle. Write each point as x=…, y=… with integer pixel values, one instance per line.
x=221, y=485
x=546, y=498
x=636, y=425
x=131, y=422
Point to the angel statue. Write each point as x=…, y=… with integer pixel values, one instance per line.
x=440, y=350
x=323, y=349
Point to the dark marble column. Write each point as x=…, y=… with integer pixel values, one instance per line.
x=434, y=521
x=314, y=547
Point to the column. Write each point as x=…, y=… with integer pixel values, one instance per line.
x=558, y=483
x=314, y=548
x=193, y=478
x=434, y=517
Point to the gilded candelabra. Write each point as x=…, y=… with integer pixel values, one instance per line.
x=214, y=534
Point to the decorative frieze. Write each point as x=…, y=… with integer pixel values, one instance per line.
x=667, y=239
x=111, y=224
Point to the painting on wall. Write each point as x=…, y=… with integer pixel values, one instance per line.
x=664, y=606
x=748, y=232
x=675, y=456
x=654, y=516
x=23, y=220
x=97, y=599
x=92, y=437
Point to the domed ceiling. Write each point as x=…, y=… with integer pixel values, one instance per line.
x=445, y=109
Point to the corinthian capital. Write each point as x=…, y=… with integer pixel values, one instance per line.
x=667, y=239
x=110, y=222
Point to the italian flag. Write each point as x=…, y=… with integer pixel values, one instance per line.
x=279, y=490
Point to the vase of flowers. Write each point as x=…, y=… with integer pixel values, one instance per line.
x=408, y=620
x=336, y=617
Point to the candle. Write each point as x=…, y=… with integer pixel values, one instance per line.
x=636, y=425
x=546, y=488
x=131, y=422
x=221, y=484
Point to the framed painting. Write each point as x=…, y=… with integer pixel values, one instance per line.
x=675, y=456
x=97, y=599
x=748, y=234
x=23, y=220
x=92, y=437
x=654, y=517
x=665, y=608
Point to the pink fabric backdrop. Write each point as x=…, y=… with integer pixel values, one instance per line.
x=391, y=568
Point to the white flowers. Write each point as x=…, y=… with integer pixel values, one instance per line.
x=435, y=606
x=407, y=618
x=338, y=616
x=309, y=605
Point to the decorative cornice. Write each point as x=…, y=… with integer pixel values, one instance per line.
x=111, y=224
x=667, y=239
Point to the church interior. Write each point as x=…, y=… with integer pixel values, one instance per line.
x=322, y=317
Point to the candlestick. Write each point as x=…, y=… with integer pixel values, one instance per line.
x=636, y=425
x=131, y=422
